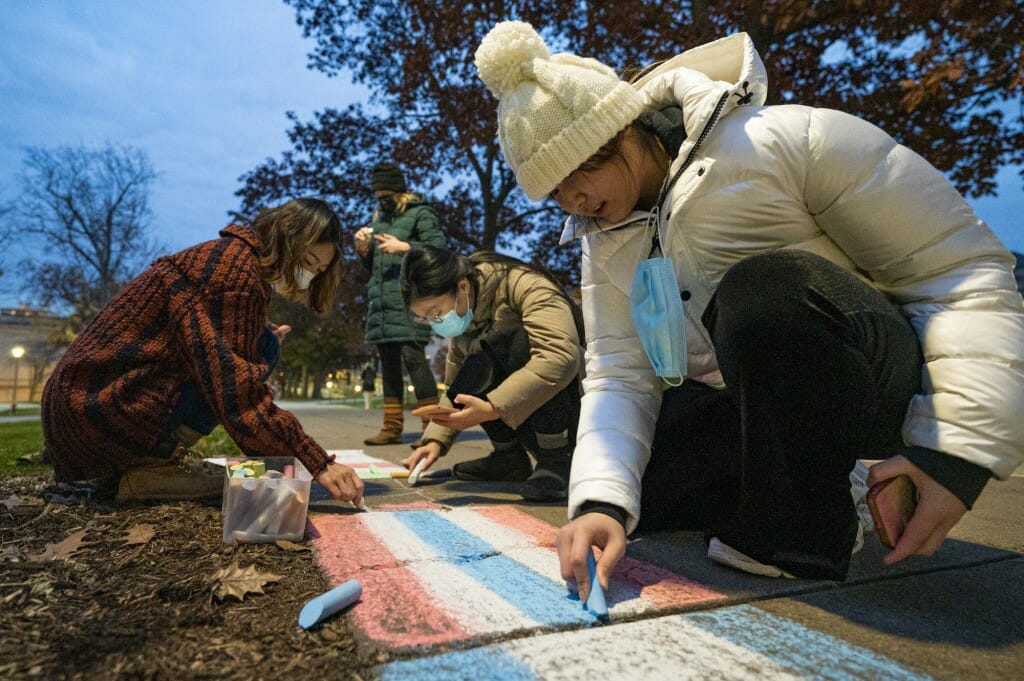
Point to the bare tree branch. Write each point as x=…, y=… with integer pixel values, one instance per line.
x=90, y=209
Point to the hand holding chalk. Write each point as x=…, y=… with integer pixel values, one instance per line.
x=327, y=604
x=414, y=477
x=595, y=604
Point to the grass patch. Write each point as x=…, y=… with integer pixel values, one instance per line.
x=217, y=443
x=19, y=439
x=26, y=409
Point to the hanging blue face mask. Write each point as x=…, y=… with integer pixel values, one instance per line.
x=657, y=312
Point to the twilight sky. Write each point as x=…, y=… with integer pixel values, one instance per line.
x=202, y=86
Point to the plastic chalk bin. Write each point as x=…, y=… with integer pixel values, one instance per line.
x=267, y=508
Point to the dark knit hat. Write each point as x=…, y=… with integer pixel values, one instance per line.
x=386, y=175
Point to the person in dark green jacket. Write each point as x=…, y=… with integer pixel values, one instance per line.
x=403, y=220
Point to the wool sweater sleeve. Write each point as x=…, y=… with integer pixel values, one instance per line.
x=220, y=334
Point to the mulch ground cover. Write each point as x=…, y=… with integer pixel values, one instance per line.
x=93, y=590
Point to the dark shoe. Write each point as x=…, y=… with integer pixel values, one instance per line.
x=506, y=465
x=170, y=480
x=384, y=437
x=548, y=483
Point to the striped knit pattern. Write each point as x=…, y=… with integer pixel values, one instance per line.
x=193, y=316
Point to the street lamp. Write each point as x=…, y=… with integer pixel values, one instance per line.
x=17, y=352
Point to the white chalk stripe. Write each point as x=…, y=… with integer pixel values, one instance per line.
x=652, y=650
x=475, y=607
x=404, y=545
x=665, y=648
x=624, y=599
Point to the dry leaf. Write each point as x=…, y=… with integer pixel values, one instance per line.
x=14, y=502
x=62, y=550
x=290, y=545
x=139, y=534
x=11, y=502
x=21, y=506
x=237, y=582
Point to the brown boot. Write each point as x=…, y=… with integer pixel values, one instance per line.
x=425, y=402
x=391, y=432
x=179, y=478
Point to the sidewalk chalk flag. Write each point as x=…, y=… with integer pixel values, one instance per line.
x=433, y=575
x=368, y=467
x=737, y=642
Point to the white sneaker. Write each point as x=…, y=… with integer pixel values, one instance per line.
x=726, y=555
x=859, y=492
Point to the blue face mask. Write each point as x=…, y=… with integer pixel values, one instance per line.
x=657, y=312
x=452, y=324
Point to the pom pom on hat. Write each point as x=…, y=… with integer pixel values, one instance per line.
x=554, y=111
x=504, y=52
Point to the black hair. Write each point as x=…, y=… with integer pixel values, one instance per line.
x=428, y=271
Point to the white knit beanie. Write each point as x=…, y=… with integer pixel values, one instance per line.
x=554, y=111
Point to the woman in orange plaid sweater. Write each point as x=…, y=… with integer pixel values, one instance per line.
x=187, y=345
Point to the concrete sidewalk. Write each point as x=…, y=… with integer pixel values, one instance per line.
x=956, y=615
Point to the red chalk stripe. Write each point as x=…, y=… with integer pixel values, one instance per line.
x=394, y=609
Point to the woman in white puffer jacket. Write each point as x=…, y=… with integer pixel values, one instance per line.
x=840, y=300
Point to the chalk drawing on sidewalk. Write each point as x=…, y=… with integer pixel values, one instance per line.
x=434, y=576
x=739, y=642
x=367, y=467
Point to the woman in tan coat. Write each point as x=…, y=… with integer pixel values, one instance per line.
x=513, y=365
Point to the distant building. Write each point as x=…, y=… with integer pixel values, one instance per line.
x=39, y=334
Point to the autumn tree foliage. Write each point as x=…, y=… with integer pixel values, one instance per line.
x=943, y=76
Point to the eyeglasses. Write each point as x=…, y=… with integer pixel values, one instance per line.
x=434, y=318
x=429, y=319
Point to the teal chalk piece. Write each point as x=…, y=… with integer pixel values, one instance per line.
x=595, y=604
x=325, y=605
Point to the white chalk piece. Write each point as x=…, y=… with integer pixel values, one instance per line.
x=325, y=605
x=414, y=477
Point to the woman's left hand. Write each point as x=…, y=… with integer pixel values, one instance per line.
x=938, y=510
x=474, y=412
x=391, y=244
x=279, y=331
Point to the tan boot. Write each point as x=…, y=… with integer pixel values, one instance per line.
x=425, y=402
x=174, y=479
x=391, y=432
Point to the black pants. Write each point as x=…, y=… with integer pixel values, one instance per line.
x=819, y=369
x=410, y=354
x=550, y=431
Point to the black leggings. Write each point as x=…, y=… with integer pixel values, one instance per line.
x=410, y=354
x=550, y=431
x=819, y=369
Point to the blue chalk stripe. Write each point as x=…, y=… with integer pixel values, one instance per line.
x=537, y=596
x=491, y=663
x=797, y=648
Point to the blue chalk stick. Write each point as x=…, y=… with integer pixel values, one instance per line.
x=595, y=605
x=327, y=604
